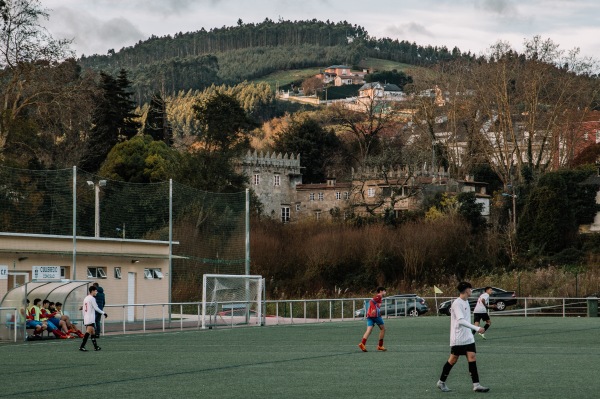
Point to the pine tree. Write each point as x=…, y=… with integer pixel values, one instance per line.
x=157, y=125
x=113, y=120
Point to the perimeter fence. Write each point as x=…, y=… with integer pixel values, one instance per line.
x=208, y=230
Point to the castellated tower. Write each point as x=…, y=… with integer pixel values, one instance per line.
x=273, y=178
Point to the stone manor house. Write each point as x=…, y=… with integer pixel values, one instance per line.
x=276, y=179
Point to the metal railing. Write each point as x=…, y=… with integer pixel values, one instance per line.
x=11, y=322
x=188, y=315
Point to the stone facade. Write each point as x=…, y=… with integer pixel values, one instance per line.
x=273, y=178
x=319, y=201
x=276, y=179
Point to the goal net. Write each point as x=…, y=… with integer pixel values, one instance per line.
x=230, y=300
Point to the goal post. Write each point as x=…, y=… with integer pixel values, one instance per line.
x=232, y=299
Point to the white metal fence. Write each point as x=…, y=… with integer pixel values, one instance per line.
x=187, y=315
x=300, y=311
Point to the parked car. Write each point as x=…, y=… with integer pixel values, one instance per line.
x=400, y=305
x=499, y=297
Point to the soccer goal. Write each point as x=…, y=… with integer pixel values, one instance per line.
x=230, y=300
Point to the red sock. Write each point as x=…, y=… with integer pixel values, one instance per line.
x=380, y=342
x=364, y=341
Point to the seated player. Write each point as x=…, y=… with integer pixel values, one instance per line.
x=32, y=323
x=50, y=316
x=36, y=312
x=67, y=319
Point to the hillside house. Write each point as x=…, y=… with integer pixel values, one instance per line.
x=381, y=91
x=341, y=75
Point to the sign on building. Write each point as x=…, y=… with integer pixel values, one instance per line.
x=3, y=272
x=45, y=273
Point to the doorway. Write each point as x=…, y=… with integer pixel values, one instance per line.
x=131, y=296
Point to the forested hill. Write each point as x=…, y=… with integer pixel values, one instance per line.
x=229, y=55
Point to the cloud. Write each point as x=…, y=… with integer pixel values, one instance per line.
x=154, y=6
x=500, y=7
x=92, y=35
x=408, y=29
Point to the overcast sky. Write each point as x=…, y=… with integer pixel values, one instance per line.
x=472, y=25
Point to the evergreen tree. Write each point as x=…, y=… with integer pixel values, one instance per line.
x=157, y=124
x=317, y=147
x=224, y=126
x=113, y=120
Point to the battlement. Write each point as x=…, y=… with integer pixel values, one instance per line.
x=274, y=159
x=377, y=172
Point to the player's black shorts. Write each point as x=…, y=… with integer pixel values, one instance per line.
x=461, y=350
x=480, y=316
x=91, y=325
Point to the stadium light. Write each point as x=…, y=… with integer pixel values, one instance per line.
x=96, y=186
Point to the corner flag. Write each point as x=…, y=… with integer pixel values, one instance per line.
x=437, y=290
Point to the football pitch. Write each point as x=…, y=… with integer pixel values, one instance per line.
x=522, y=358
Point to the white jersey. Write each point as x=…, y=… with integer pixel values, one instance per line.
x=482, y=303
x=90, y=307
x=460, y=323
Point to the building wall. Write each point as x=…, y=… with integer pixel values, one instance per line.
x=20, y=252
x=271, y=168
x=316, y=201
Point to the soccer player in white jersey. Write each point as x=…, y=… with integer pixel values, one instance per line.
x=462, y=341
x=90, y=307
x=481, y=310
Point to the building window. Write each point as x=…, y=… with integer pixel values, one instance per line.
x=118, y=273
x=151, y=274
x=297, y=207
x=96, y=272
x=64, y=272
x=318, y=215
x=371, y=192
x=256, y=179
x=346, y=195
x=285, y=214
x=321, y=196
x=311, y=196
x=277, y=181
x=338, y=195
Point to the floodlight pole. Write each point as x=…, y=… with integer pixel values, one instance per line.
x=97, y=186
x=74, y=272
x=247, y=232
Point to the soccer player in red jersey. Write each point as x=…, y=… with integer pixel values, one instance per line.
x=374, y=317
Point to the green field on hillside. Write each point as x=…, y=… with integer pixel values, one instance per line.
x=383, y=65
x=284, y=78
x=521, y=358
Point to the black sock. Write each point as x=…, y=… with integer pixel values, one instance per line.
x=446, y=371
x=473, y=372
x=94, y=342
x=85, y=338
x=486, y=327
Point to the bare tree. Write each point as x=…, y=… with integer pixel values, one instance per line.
x=27, y=51
x=312, y=86
x=525, y=104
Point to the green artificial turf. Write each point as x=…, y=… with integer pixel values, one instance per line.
x=522, y=358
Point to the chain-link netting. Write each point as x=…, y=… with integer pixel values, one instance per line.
x=209, y=229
